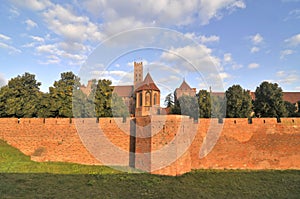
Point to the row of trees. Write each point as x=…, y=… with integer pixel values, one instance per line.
x=235, y=103
x=22, y=97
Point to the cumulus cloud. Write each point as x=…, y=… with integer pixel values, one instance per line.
x=202, y=38
x=71, y=27
x=35, y=5
x=73, y=30
x=293, y=14
x=55, y=54
x=287, y=77
x=227, y=58
x=192, y=58
x=253, y=65
x=293, y=41
x=254, y=49
x=285, y=53
x=256, y=39
x=30, y=24
x=164, y=12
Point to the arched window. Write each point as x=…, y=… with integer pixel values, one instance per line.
x=147, y=99
x=141, y=99
x=155, y=99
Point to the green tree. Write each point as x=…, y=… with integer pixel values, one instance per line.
x=44, y=106
x=20, y=98
x=61, y=94
x=204, y=102
x=103, y=96
x=218, y=106
x=239, y=102
x=119, y=108
x=268, y=101
x=187, y=105
x=169, y=101
x=290, y=108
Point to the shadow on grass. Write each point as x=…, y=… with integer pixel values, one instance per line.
x=22, y=178
x=197, y=184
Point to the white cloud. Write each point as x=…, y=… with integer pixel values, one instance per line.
x=202, y=38
x=286, y=52
x=51, y=59
x=254, y=49
x=293, y=14
x=227, y=58
x=210, y=9
x=200, y=58
x=4, y=37
x=30, y=24
x=224, y=75
x=52, y=50
x=253, y=65
x=14, y=12
x=287, y=77
x=11, y=49
x=163, y=12
x=37, y=39
x=71, y=27
x=35, y=5
x=256, y=39
x=294, y=40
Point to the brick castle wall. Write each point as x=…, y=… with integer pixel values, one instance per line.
x=176, y=142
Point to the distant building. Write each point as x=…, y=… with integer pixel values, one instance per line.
x=184, y=89
x=143, y=97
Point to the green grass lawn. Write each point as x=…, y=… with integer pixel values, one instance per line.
x=22, y=178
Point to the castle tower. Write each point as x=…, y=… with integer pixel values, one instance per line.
x=138, y=74
x=147, y=97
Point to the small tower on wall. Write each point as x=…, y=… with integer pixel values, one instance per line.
x=138, y=74
x=147, y=98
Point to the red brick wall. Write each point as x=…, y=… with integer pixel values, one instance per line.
x=264, y=144
x=59, y=140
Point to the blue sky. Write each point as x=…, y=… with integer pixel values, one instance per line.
x=227, y=41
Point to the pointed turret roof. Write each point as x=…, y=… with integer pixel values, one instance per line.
x=148, y=84
x=184, y=86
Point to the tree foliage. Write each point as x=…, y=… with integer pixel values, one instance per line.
x=218, y=106
x=61, y=95
x=290, y=108
x=186, y=105
x=169, y=101
x=239, y=102
x=21, y=97
x=268, y=101
x=119, y=108
x=103, y=96
x=204, y=102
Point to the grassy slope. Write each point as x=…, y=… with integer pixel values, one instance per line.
x=20, y=177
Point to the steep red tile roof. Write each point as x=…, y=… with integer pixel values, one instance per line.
x=123, y=91
x=147, y=84
x=292, y=97
x=184, y=86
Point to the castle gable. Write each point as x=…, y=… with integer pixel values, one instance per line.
x=148, y=84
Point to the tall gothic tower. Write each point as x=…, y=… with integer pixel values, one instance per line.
x=138, y=74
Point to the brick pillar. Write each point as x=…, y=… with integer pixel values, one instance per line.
x=143, y=143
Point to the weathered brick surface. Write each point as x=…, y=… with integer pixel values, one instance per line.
x=176, y=143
